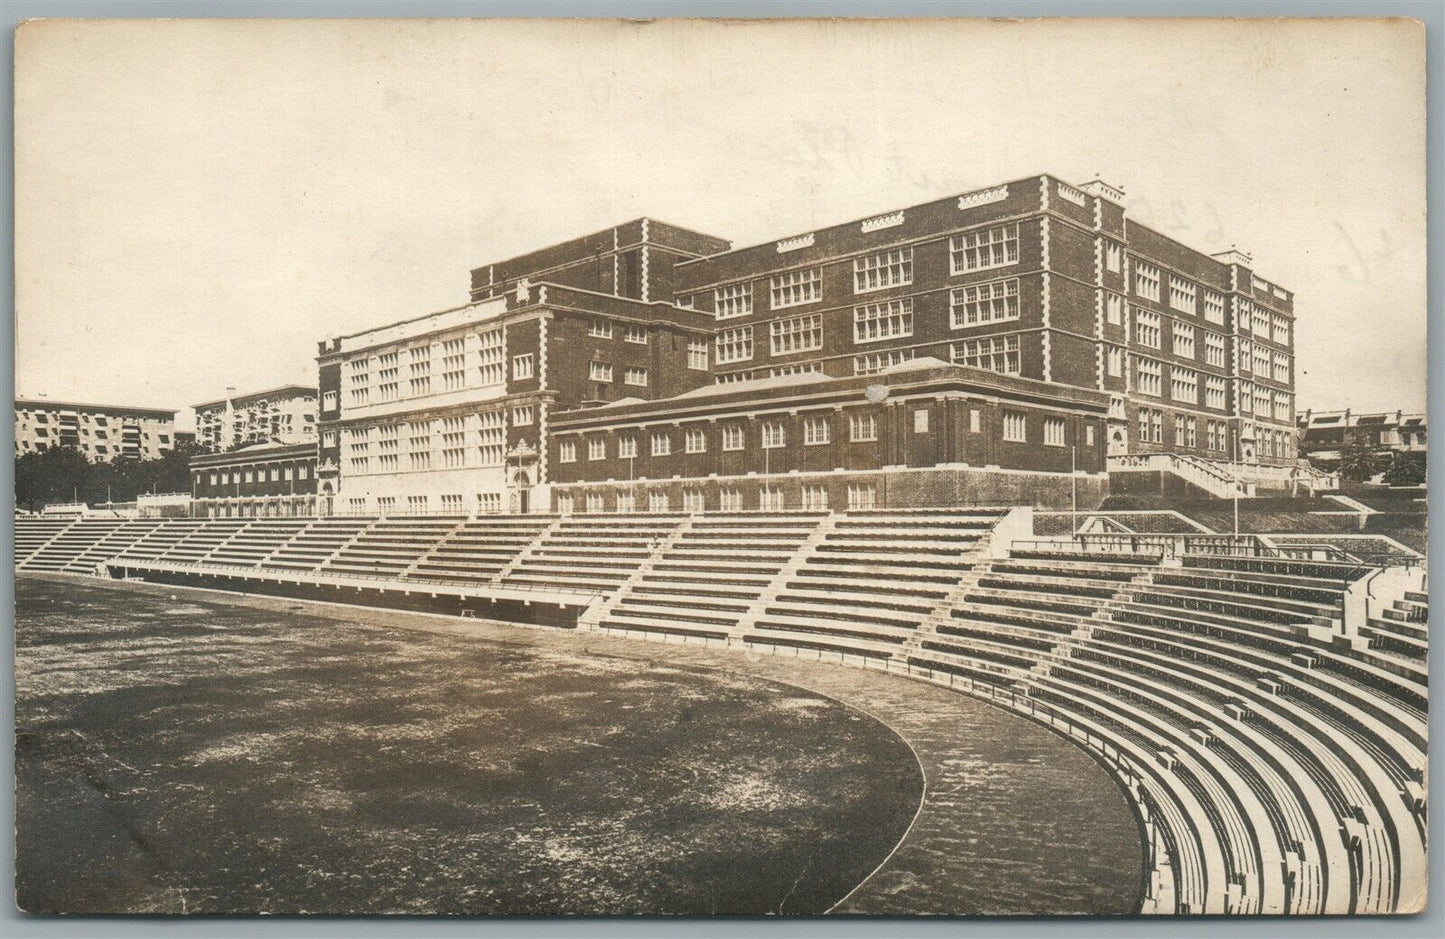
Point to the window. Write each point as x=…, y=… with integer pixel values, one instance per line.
x=490, y=368
x=661, y=444
x=1115, y=358
x=1246, y=398
x=658, y=502
x=979, y=250
x=1015, y=427
x=890, y=320
x=1261, y=361
x=1146, y=327
x=420, y=445
x=1114, y=308
x=599, y=371
x=626, y=448
x=1214, y=349
x=452, y=503
x=1183, y=384
x=1146, y=280
x=1245, y=315
x=213, y=479
x=328, y=401
x=1214, y=392
x=454, y=366
x=733, y=437
x=774, y=435
x=862, y=427
x=626, y=502
x=799, y=334
x=635, y=334
x=1279, y=329
x=1214, y=306
x=522, y=416
x=597, y=448
x=985, y=303
x=594, y=502
x=861, y=496
x=975, y=421
x=734, y=345
x=1181, y=295
x=1281, y=368
x=692, y=500
x=695, y=441
x=796, y=287
x=328, y=439
x=564, y=503
x=697, y=354
x=1113, y=257
x=522, y=366
x=489, y=502
x=730, y=500
x=1261, y=323
x=815, y=498
x=732, y=300
x=567, y=451
x=1282, y=409
x=884, y=269
x=995, y=354
x=1191, y=433
x=920, y=421
x=816, y=430
x=1053, y=431
x=1150, y=378
x=1088, y=435
x=1246, y=353
x=356, y=505
x=770, y=499
x=1183, y=335
x=600, y=329
x=491, y=437
x=1151, y=426
x=635, y=376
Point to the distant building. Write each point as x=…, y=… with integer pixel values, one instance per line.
x=259, y=480
x=279, y=415
x=102, y=432
x=1324, y=435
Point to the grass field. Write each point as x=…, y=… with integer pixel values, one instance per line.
x=189, y=754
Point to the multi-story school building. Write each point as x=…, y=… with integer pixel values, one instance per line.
x=999, y=345
x=100, y=431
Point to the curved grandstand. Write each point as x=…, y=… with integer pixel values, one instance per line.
x=1263, y=705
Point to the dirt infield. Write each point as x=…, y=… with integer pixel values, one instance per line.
x=199, y=755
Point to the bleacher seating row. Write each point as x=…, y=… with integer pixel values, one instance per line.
x=1278, y=763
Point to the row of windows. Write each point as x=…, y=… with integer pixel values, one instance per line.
x=250, y=475
x=816, y=430
x=602, y=329
x=971, y=251
x=768, y=498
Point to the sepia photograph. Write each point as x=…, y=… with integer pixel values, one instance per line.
x=776, y=467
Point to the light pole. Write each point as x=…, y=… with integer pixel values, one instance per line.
x=1074, y=487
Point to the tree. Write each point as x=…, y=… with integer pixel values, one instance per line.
x=1407, y=469
x=62, y=474
x=1359, y=461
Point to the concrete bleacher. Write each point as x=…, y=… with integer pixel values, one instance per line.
x=1278, y=758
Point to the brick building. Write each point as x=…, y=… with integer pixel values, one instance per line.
x=266, y=479
x=1033, y=304
x=282, y=415
x=448, y=412
x=102, y=432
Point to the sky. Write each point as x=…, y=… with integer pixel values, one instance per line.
x=198, y=203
